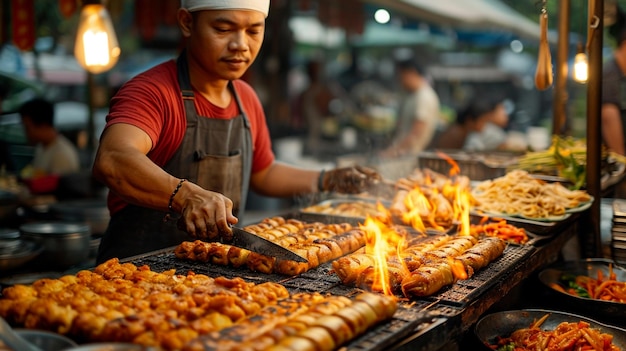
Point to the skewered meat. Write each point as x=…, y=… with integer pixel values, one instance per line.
x=428, y=279
x=398, y=207
x=425, y=199
x=348, y=268
x=432, y=276
x=367, y=278
x=479, y=256
x=317, y=242
x=237, y=257
x=320, y=324
x=452, y=248
x=423, y=267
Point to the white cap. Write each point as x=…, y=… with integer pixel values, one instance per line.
x=262, y=6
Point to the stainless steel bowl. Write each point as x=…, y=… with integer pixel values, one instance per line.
x=45, y=340
x=501, y=324
x=65, y=243
x=110, y=346
x=18, y=254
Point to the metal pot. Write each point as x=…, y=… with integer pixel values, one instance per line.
x=65, y=243
x=93, y=212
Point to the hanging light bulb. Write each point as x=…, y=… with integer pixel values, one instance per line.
x=581, y=66
x=96, y=47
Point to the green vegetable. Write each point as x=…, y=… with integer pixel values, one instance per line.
x=580, y=291
x=507, y=347
x=569, y=280
x=566, y=157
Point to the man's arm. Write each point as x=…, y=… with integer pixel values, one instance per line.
x=405, y=145
x=612, y=131
x=121, y=163
x=282, y=180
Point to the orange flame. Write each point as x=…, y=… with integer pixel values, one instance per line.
x=381, y=242
x=461, y=205
x=424, y=204
x=417, y=205
x=458, y=269
x=454, y=170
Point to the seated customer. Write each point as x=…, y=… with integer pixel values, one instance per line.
x=493, y=135
x=54, y=153
x=476, y=128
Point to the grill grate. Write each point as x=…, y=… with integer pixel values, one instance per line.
x=410, y=319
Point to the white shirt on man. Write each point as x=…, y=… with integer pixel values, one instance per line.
x=60, y=157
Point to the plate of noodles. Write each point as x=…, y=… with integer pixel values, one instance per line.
x=595, y=285
x=519, y=194
x=524, y=329
x=581, y=207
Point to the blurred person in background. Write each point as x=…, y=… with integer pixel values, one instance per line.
x=186, y=139
x=614, y=89
x=475, y=128
x=315, y=107
x=418, y=114
x=492, y=135
x=54, y=153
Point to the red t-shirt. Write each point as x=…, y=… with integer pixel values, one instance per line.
x=151, y=101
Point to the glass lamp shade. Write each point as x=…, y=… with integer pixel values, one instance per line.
x=581, y=67
x=96, y=47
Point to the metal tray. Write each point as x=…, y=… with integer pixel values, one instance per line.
x=504, y=323
x=312, y=216
x=587, y=267
x=309, y=216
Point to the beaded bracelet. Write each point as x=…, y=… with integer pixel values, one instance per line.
x=180, y=184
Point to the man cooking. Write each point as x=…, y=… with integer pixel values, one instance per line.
x=185, y=139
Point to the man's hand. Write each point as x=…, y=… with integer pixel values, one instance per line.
x=350, y=180
x=207, y=215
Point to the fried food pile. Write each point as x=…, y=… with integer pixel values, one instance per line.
x=317, y=242
x=123, y=302
x=423, y=266
x=429, y=197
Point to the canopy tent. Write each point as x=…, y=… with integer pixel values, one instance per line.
x=379, y=35
x=308, y=30
x=475, y=14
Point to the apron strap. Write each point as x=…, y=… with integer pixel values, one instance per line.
x=247, y=151
x=186, y=91
x=188, y=97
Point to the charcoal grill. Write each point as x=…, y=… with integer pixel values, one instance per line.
x=421, y=319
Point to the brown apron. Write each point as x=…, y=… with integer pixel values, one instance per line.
x=215, y=154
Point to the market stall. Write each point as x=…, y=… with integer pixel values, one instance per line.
x=443, y=270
